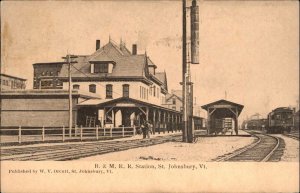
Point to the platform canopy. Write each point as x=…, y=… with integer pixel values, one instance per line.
x=220, y=110
x=224, y=104
x=128, y=112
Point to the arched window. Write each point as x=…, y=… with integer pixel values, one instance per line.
x=76, y=87
x=125, y=90
x=92, y=88
x=109, y=90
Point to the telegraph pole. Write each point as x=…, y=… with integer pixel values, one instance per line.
x=70, y=96
x=69, y=62
x=184, y=132
x=187, y=85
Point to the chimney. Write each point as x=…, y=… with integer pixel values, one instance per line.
x=97, y=45
x=134, y=49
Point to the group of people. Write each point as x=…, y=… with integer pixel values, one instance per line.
x=146, y=129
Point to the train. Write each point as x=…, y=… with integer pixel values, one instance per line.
x=255, y=124
x=279, y=120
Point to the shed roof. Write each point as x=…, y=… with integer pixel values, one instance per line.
x=223, y=104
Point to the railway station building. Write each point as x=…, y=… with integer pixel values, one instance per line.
x=111, y=87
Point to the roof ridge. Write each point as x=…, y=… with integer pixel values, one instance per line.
x=116, y=47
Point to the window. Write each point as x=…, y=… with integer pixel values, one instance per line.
x=101, y=68
x=92, y=88
x=59, y=83
x=157, y=92
x=109, y=89
x=46, y=83
x=125, y=90
x=147, y=94
x=174, y=101
x=154, y=89
x=76, y=86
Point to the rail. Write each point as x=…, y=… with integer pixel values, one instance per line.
x=43, y=134
x=260, y=150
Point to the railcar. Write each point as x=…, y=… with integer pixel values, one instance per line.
x=257, y=124
x=280, y=120
x=222, y=125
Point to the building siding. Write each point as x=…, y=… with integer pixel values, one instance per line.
x=134, y=90
x=37, y=112
x=38, y=118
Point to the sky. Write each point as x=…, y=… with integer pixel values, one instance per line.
x=248, y=49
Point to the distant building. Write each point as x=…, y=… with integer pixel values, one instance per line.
x=46, y=75
x=9, y=82
x=174, y=100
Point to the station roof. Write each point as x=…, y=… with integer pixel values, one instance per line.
x=223, y=104
x=121, y=102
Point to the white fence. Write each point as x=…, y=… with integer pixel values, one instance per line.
x=19, y=135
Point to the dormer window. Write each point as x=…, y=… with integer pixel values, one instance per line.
x=101, y=68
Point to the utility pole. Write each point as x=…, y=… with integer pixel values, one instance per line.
x=187, y=85
x=69, y=62
x=184, y=132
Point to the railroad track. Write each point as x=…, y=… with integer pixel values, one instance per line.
x=265, y=148
x=76, y=151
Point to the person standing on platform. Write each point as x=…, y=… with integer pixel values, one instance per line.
x=144, y=129
x=149, y=129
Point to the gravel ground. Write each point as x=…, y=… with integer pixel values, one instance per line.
x=291, y=151
x=205, y=149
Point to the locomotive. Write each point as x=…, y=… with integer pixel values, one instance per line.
x=280, y=120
